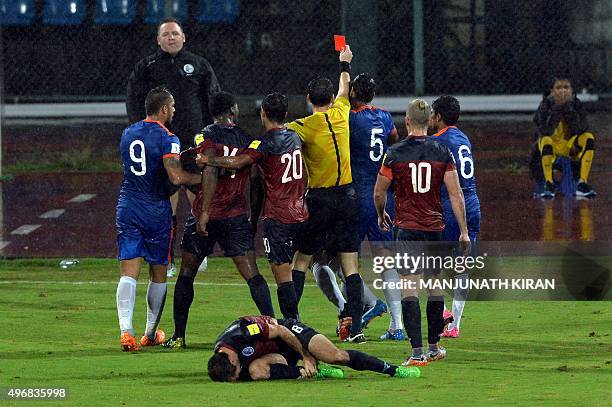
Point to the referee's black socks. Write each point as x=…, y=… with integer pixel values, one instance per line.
x=287, y=299
x=261, y=295
x=183, y=297
x=354, y=301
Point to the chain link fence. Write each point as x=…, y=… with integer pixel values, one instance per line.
x=86, y=49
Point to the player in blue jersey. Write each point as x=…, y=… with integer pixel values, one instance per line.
x=150, y=156
x=372, y=131
x=445, y=115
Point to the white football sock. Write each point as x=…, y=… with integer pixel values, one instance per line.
x=394, y=299
x=459, y=298
x=126, y=297
x=457, y=312
x=203, y=265
x=369, y=298
x=326, y=281
x=156, y=298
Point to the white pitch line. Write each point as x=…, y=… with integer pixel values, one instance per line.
x=25, y=229
x=3, y=244
x=82, y=198
x=53, y=213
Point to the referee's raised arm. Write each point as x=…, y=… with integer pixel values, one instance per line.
x=346, y=56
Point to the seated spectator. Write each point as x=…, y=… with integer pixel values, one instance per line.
x=563, y=132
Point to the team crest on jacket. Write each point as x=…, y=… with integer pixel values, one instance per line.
x=188, y=68
x=248, y=351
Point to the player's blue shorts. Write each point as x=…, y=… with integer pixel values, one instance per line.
x=472, y=214
x=143, y=230
x=368, y=218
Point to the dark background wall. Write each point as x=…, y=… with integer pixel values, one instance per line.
x=471, y=47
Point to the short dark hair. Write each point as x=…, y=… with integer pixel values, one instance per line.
x=448, y=107
x=364, y=87
x=169, y=20
x=220, y=369
x=320, y=91
x=221, y=103
x=275, y=106
x=156, y=99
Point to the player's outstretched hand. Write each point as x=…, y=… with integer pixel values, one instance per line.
x=384, y=223
x=346, y=55
x=465, y=245
x=310, y=366
x=201, y=225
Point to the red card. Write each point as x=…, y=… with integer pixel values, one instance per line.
x=339, y=42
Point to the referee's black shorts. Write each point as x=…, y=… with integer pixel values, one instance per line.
x=333, y=214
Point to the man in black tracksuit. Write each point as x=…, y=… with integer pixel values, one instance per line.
x=190, y=79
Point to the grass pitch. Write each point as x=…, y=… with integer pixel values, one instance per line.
x=60, y=329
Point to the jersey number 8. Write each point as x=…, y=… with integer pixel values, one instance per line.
x=142, y=159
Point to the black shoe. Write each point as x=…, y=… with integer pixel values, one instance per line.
x=549, y=191
x=584, y=190
x=357, y=338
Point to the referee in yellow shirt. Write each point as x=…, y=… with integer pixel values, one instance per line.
x=331, y=199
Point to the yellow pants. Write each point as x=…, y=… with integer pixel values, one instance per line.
x=577, y=148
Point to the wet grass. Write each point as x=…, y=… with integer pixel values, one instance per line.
x=60, y=330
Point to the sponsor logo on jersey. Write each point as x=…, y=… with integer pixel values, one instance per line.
x=248, y=351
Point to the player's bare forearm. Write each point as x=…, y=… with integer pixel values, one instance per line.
x=209, y=185
x=177, y=175
x=257, y=198
x=279, y=331
x=380, y=194
x=233, y=163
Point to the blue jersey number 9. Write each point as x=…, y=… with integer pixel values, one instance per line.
x=141, y=159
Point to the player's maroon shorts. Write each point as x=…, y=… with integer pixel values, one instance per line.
x=423, y=244
x=234, y=235
x=279, y=238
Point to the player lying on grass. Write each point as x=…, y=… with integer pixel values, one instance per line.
x=263, y=348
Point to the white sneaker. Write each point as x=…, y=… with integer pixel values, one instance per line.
x=171, y=270
x=203, y=265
